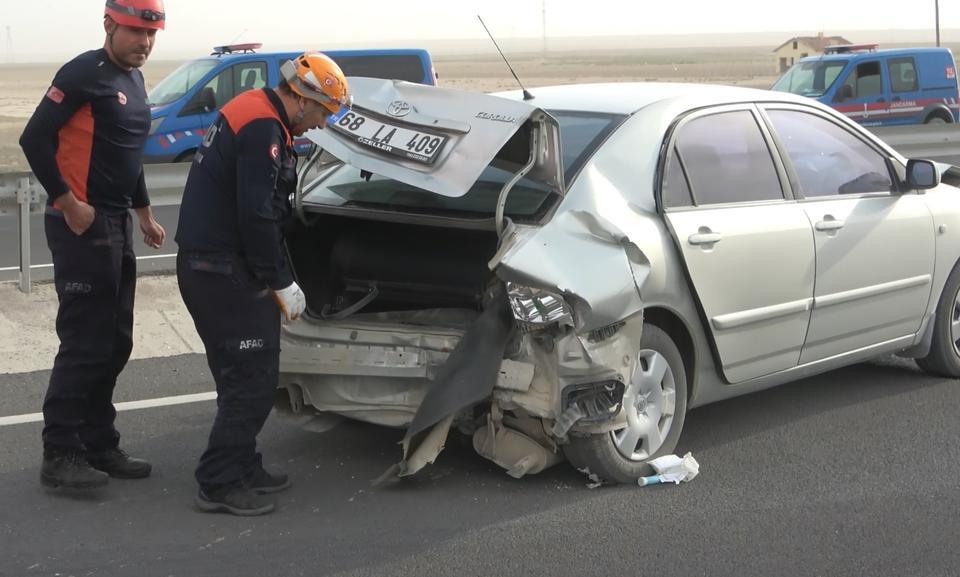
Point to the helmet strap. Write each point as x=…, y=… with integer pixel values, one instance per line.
x=298, y=118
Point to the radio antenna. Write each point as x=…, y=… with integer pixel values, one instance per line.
x=526, y=94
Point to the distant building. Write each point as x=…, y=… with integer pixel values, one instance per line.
x=802, y=46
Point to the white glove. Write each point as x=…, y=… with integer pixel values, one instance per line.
x=291, y=300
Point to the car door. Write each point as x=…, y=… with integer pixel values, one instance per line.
x=875, y=247
x=905, y=106
x=861, y=94
x=747, y=247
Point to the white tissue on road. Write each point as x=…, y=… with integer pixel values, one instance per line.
x=671, y=469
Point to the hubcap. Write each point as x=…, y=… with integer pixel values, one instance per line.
x=649, y=403
x=955, y=323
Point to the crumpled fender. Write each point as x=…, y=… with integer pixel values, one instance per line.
x=584, y=257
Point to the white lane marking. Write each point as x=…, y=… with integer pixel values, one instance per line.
x=127, y=406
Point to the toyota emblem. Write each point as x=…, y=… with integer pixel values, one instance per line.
x=398, y=108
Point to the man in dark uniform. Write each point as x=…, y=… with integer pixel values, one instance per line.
x=233, y=271
x=85, y=143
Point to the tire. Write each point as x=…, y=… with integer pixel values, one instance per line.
x=601, y=454
x=944, y=356
x=935, y=119
x=186, y=156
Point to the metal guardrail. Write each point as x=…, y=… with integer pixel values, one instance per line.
x=939, y=142
x=21, y=193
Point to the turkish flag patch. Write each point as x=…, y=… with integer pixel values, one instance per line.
x=274, y=151
x=55, y=94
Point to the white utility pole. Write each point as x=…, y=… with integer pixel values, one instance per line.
x=936, y=5
x=544, y=28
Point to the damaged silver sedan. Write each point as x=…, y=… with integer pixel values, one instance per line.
x=567, y=276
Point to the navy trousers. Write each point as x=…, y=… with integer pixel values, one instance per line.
x=95, y=276
x=239, y=324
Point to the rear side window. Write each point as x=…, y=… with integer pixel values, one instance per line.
x=727, y=160
x=675, y=190
x=249, y=75
x=407, y=67
x=903, y=75
x=829, y=160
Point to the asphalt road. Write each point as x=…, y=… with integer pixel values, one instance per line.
x=852, y=473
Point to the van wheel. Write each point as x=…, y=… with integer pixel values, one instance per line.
x=935, y=119
x=944, y=356
x=186, y=156
x=655, y=403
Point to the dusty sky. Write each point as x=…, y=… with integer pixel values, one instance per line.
x=55, y=29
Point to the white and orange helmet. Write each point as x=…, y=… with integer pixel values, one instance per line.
x=315, y=76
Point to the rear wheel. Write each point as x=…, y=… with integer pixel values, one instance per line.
x=186, y=156
x=655, y=403
x=944, y=356
x=935, y=119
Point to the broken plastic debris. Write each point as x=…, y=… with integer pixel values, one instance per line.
x=671, y=469
x=594, y=479
x=567, y=419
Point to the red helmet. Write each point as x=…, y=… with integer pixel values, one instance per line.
x=137, y=13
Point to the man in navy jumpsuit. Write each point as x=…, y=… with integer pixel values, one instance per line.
x=85, y=143
x=233, y=271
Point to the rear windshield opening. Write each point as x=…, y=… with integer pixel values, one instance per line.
x=580, y=135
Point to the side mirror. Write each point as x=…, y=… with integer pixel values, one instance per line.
x=845, y=92
x=203, y=101
x=922, y=174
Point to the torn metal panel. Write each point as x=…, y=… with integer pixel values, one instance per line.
x=603, y=283
x=426, y=451
x=471, y=370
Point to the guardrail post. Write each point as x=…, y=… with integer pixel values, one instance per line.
x=23, y=199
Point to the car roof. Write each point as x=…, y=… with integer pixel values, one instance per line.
x=628, y=97
x=230, y=57
x=875, y=53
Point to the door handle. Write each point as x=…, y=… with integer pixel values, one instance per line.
x=829, y=223
x=896, y=99
x=705, y=237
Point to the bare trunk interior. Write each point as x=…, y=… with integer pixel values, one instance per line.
x=339, y=261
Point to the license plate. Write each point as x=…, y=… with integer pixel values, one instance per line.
x=391, y=139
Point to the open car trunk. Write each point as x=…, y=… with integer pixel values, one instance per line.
x=350, y=266
x=407, y=324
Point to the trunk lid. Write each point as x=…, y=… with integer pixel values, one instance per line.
x=440, y=139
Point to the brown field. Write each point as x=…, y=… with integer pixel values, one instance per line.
x=22, y=85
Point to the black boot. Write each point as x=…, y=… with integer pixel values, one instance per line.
x=236, y=500
x=68, y=468
x=118, y=464
x=261, y=482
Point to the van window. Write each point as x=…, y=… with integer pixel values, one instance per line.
x=407, y=67
x=903, y=74
x=864, y=81
x=810, y=78
x=222, y=87
x=727, y=159
x=829, y=160
x=249, y=75
x=180, y=81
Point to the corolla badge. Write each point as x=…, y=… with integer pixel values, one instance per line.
x=398, y=108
